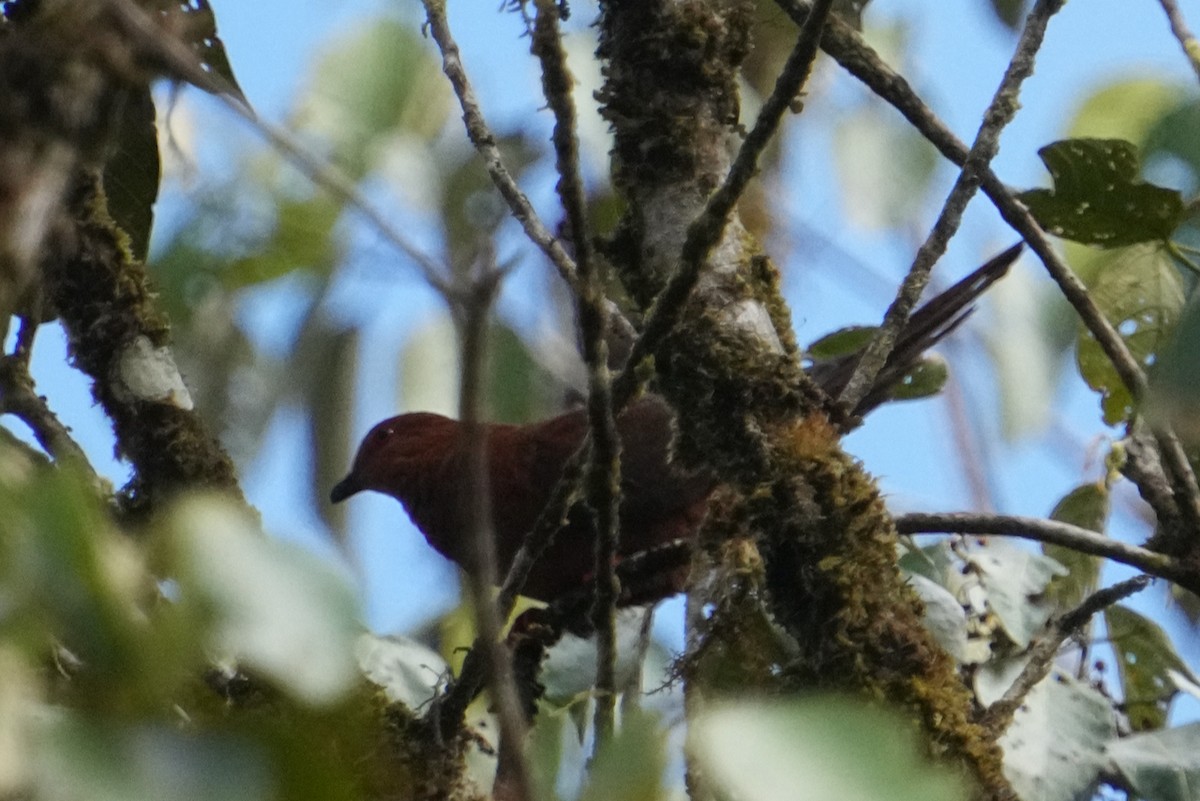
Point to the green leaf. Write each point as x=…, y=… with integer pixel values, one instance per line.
x=1015, y=580
x=818, y=749
x=325, y=364
x=1174, y=134
x=1097, y=198
x=1054, y=749
x=132, y=170
x=303, y=237
x=280, y=610
x=1161, y=765
x=630, y=765
x=841, y=342
x=518, y=390
x=1174, y=399
x=1025, y=341
x=76, y=759
x=1009, y=12
x=1145, y=658
x=944, y=616
x=471, y=209
x=67, y=576
x=371, y=85
x=926, y=378
x=884, y=168
x=1127, y=109
x=1085, y=506
x=1141, y=293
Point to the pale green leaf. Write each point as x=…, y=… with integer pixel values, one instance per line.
x=76, y=760
x=630, y=765
x=1085, y=506
x=1127, y=109
x=816, y=749
x=408, y=671
x=883, y=168
x=1015, y=580
x=276, y=608
x=1161, y=765
x=1054, y=749
x=944, y=616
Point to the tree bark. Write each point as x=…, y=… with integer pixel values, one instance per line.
x=807, y=594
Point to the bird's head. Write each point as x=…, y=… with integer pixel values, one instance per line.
x=395, y=453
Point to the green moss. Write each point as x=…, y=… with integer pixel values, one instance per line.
x=102, y=295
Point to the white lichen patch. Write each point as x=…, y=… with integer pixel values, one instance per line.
x=147, y=373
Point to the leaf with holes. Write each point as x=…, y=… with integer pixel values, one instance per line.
x=1097, y=198
x=1145, y=659
x=1141, y=293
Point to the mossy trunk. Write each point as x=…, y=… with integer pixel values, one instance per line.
x=803, y=548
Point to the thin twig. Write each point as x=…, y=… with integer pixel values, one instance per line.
x=19, y=398
x=177, y=55
x=631, y=693
x=1043, y=652
x=1187, y=40
x=485, y=143
x=472, y=316
x=847, y=47
x=1051, y=531
x=999, y=113
x=603, y=470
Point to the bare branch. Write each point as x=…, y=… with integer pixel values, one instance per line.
x=1179, y=27
x=485, y=142
x=848, y=48
x=1043, y=652
x=1051, y=531
x=603, y=471
x=18, y=398
x=472, y=314
x=999, y=113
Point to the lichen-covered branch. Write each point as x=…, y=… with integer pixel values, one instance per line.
x=800, y=535
x=62, y=84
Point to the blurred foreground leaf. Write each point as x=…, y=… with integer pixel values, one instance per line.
x=276, y=608
x=818, y=749
x=630, y=766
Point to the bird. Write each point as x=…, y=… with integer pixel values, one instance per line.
x=420, y=459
